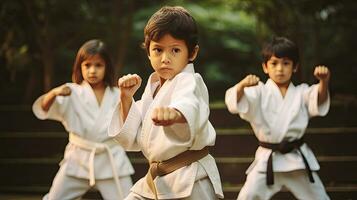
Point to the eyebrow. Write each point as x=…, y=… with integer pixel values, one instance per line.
x=156, y=44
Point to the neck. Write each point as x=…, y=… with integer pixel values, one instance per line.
x=283, y=88
x=162, y=81
x=98, y=86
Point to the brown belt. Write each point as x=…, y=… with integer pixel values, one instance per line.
x=161, y=168
x=284, y=147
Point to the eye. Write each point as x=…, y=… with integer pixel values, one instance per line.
x=176, y=50
x=156, y=50
x=286, y=63
x=99, y=65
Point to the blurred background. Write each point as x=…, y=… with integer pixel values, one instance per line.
x=39, y=40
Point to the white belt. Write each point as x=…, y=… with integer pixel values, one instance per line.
x=94, y=148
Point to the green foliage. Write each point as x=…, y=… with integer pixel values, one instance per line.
x=36, y=33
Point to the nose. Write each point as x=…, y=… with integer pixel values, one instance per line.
x=279, y=67
x=165, y=58
x=92, y=69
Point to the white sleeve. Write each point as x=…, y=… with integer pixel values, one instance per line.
x=246, y=106
x=185, y=98
x=126, y=133
x=56, y=111
x=311, y=101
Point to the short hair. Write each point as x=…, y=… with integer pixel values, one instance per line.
x=281, y=47
x=92, y=48
x=175, y=21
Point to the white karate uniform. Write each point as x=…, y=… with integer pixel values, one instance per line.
x=274, y=118
x=91, y=154
x=187, y=93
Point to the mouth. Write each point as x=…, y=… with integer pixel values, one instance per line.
x=165, y=69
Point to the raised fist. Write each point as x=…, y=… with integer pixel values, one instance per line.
x=250, y=80
x=322, y=73
x=62, y=90
x=129, y=84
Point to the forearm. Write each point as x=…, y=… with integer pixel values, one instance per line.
x=125, y=104
x=240, y=91
x=48, y=100
x=322, y=92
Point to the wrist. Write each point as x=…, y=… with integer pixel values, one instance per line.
x=125, y=100
x=54, y=92
x=180, y=118
x=324, y=81
x=124, y=97
x=241, y=86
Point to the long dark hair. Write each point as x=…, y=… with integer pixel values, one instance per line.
x=92, y=48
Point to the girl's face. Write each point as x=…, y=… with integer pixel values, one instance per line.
x=93, y=70
x=169, y=56
x=279, y=70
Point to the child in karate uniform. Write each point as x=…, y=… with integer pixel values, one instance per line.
x=170, y=123
x=278, y=112
x=91, y=158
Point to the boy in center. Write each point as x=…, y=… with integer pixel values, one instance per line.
x=170, y=123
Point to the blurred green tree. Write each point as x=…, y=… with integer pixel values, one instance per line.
x=39, y=39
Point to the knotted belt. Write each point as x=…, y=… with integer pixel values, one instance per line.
x=161, y=168
x=284, y=147
x=94, y=148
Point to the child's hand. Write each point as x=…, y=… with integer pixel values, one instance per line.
x=129, y=84
x=250, y=80
x=62, y=90
x=165, y=116
x=322, y=73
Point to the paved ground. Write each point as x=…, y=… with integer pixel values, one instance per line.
x=20, y=197
x=27, y=197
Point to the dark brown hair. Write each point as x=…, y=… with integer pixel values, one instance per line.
x=89, y=49
x=175, y=21
x=281, y=47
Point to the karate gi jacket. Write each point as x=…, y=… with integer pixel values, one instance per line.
x=274, y=118
x=81, y=114
x=187, y=93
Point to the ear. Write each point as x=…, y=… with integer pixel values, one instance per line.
x=296, y=67
x=265, y=68
x=194, y=53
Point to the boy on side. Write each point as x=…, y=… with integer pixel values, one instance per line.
x=278, y=112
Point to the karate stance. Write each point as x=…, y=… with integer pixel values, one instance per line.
x=170, y=123
x=278, y=112
x=91, y=158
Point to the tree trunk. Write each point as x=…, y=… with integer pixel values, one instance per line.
x=43, y=40
x=126, y=31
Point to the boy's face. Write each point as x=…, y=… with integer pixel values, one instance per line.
x=169, y=56
x=279, y=70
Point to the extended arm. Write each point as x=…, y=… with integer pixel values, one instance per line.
x=322, y=73
x=250, y=80
x=50, y=97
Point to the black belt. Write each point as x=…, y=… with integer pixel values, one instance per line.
x=284, y=147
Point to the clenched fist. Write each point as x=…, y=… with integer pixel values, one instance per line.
x=250, y=80
x=165, y=116
x=322, y=73
x=62, y=90
x=129, y=84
